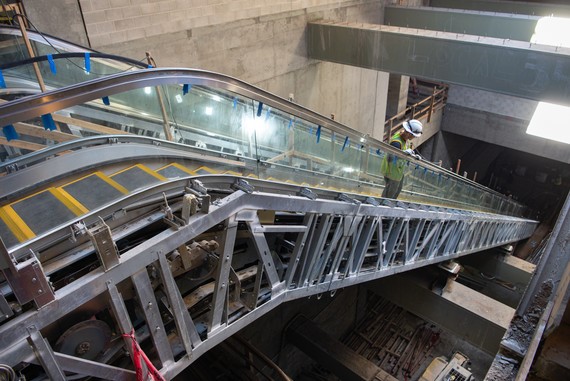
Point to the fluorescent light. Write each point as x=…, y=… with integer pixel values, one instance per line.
x=348, y=169
x=554, y=31
x=147, y=90
x=216, y=98
x=178, y=98
x=549, y=122
x=209, y=111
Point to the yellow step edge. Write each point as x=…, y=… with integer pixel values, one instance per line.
x=103, y=177
x=181, y=167
x=207, y=169
x=71, y=203
x=143, y=168
x=16, y=225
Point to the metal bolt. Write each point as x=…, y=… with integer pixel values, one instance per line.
x=34, y=280
x=83, y=348
x=157, y=328
x=149, y=304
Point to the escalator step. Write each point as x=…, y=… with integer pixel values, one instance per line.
x=92, y=191
x=172, y=172
x=135, y=177
x=42, y=211
x=7, y=236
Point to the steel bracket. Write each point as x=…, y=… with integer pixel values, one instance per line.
x=29, y=282
x=306, y=192
x=104, y=244
x=242, y=185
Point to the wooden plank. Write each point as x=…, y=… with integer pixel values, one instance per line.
x=20, y=144
x=40, y=132
x=88, y=125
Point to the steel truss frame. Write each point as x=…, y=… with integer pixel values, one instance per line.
x=339, y=243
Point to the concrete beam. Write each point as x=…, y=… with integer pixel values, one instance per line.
x=504, y=131
x=516, y=7
x=516, y=68
x=501, y=277
x=473, y=317
x=489, y=24
x=332, y=354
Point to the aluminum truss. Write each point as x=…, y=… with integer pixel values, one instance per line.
x=312, y=243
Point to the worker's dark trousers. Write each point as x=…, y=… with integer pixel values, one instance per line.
x=392, y=188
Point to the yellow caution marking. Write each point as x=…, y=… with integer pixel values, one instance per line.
x=181, y=167
x=203, y=169
x=142, y=168
x=70, y=203
x=112, y=182
x=16, y=225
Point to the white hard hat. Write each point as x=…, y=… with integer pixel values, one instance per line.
x=414, y=127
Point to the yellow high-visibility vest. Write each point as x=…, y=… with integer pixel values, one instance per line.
x=392, y=166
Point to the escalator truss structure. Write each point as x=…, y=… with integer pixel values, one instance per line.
x=173, y=207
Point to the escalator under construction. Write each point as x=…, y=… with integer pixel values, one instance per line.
x=212, y=203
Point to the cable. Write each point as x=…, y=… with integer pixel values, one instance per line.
x=8, y=372
x=58, y=51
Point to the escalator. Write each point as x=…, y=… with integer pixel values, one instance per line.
x=181, y=205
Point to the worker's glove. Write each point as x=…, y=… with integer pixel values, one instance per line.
x=411, y=152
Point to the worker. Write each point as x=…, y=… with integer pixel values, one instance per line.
x=393, y=167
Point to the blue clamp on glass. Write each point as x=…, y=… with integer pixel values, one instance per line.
x=51, y=64
x=259, y=109
x=87, y=62
x=10, y=132
x=318, y=133
x=48, y=122
x=2, y=81
x=345, y=143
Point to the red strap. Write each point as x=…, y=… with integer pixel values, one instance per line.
x=138, y=354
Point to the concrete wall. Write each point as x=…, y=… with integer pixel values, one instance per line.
x=262, y=42
x=60, y=18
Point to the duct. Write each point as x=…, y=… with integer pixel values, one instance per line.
x=515, y=68
x=489, y=24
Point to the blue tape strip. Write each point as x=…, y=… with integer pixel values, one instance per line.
x=290, y=123
x=2, y=81
x=51, y=64
x=235, y=102
x=318, y=134
x=378, y=151
x=87, y=62
x=10, y=132
x=344, y=145
x=186, y=88
x=150, y=67
x=48, y=122
x=259, y=109
x=106, y=101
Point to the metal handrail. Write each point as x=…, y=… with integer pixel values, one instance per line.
x=435, y=101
